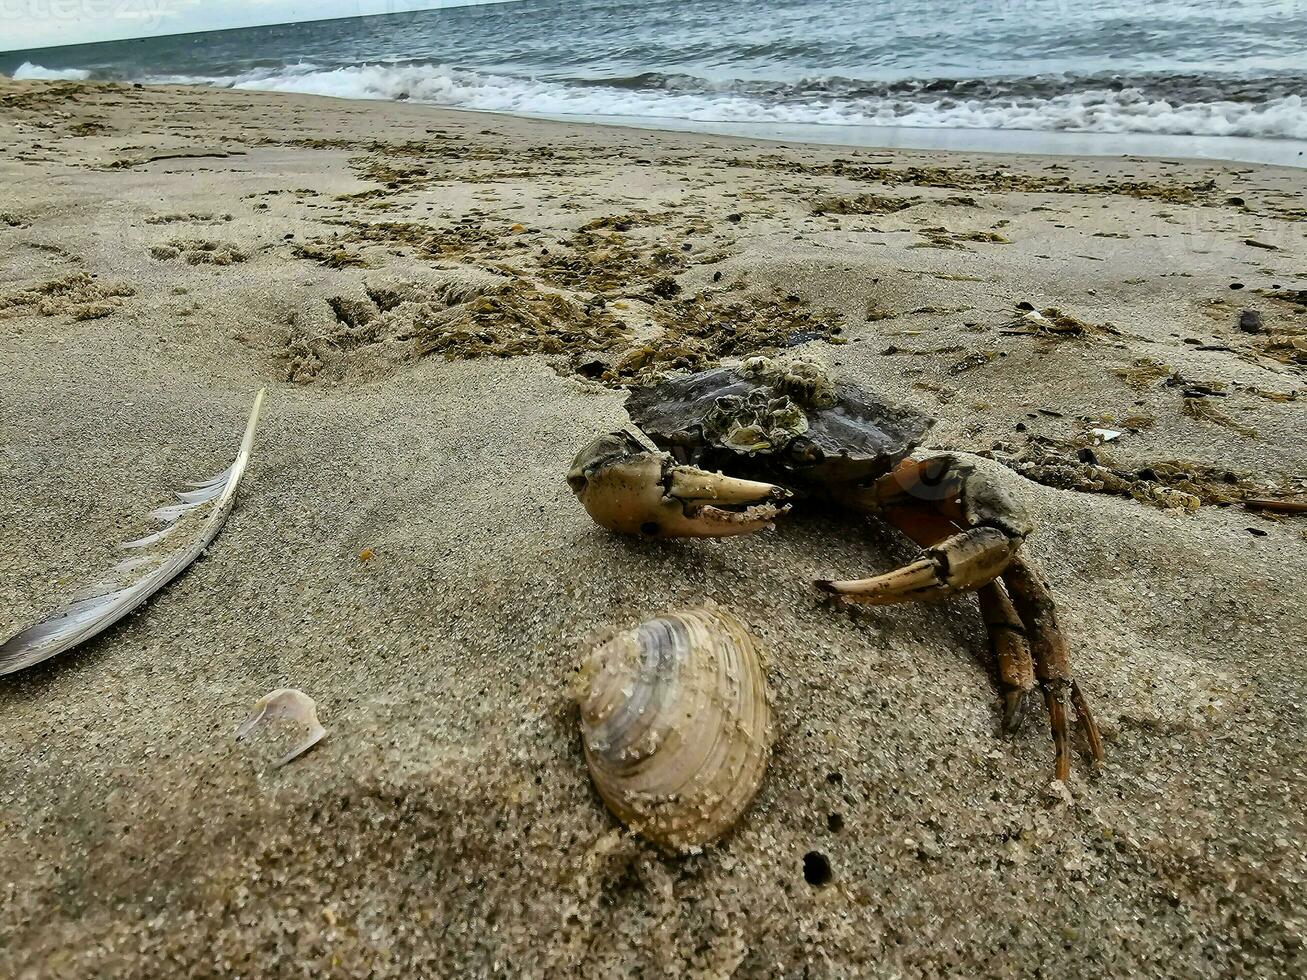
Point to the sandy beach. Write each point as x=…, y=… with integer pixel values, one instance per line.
x=444, y=307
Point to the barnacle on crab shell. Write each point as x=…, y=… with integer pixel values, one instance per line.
x=755, y=423
x=806, y=381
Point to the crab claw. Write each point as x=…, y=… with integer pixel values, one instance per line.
x=959, y=564
x=627, y=488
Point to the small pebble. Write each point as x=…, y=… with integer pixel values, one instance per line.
x=802, y=337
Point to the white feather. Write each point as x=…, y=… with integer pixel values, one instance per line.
x=135, y=579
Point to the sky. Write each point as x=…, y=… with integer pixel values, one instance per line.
x=45, y=23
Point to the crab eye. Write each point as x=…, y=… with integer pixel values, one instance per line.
x=577, y=481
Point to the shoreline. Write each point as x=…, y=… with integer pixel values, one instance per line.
x=1027, y=142
x=445, y=307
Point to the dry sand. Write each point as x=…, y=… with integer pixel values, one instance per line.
x=165, y=253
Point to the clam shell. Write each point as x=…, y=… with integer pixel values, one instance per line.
x=676, y=725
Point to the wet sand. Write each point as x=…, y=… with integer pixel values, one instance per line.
x=445, y=306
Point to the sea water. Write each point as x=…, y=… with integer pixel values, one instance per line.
x=1224, y=78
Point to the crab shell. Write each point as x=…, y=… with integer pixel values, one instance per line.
x=676, y=725
x=786, y=421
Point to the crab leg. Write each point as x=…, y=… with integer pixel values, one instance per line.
x=1034, y=603
x=1011, y=649
x=1007, y=634
x=995, y=528
x=931, y=502
x=958, y=564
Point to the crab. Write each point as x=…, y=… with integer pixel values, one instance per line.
x=787, y=431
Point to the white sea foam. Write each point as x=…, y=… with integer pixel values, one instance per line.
x=30, y=72
x=1088, y=110
x=1092, y=110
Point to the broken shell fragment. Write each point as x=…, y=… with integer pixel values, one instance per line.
x=291, y=705
x=676, y=725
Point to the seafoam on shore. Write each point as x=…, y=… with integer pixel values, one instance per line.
x=1076, y=105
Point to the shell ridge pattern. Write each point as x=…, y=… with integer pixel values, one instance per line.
x=626, y=723
x=678, y=752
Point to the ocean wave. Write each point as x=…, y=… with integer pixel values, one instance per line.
x=1178, y=105
x=1185, y=87
x=962, y=104
x=29, y=72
